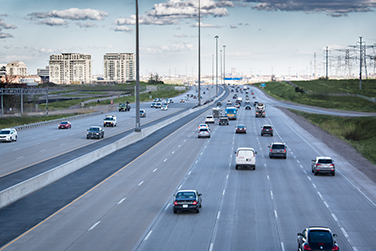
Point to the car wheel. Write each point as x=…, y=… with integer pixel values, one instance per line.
x=197, y=210
x=334, y=173
x=270, y=156
x=262, y=134
x=271, y=135
x=315, y=173
x=175, y=211
x=87, y=137
x=15, y=139
x=285, y=157
x=236, y=167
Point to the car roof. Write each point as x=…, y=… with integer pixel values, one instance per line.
x=245, y=149
x=183, y=191
x=7, y=129
x=278, y=143
x=322, y=157
x=319, y=228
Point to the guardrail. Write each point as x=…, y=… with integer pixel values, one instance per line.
x=22, y=189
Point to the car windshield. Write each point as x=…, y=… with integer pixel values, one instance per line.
x=267, y=127
x=278, y=147
x=4, y=132
x=319, y=236
x=241, y=126
x=203, y=129
x=95, y=129
x=64, y=123
x=325, y=161
x=186, y=195
x=109, y=118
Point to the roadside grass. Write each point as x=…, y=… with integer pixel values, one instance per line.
x=60, y=92
x=59, y=105
x=24, y=120
x=285, y=91
x=359, y=131
x=73, y=95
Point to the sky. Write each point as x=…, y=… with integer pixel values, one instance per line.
x=254, y=36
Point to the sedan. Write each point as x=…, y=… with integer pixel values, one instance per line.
x=323, y=165
x=202, y=126
x=164, y=108
x=204, y=133
x=152, y=104
x=187, y=200
x=240, y=129
x=182, y=100
x=317, y=238
x=64, y=125
x=248, y=107
x=95, y=132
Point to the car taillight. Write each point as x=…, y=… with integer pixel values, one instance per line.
x=332, y=165
x=306, y=247
x=175, y=203
x=271, y=150
x=335, y=248
x=285, y=150
x=194, y=203
x=318, y=164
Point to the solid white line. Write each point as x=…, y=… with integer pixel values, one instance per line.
x=94, y=225
x=140, y=183
x=155, y=170
x=334, y=217
x=167, y=206
x=180, y=187
x=147, y=236
x=121, y=201
x=211, y=247
x=219, y=213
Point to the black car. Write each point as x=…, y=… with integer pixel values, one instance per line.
x=248, y=107
x=255, y=103
x=317, y=238
x=95, y=132
x=219, y=103
x=267, y=129
x=277, y=150
x=187, y=200
x=223, y=120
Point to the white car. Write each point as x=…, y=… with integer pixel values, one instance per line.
x=204, y=133
x=8, y=134
x=110, y=120
x=245, y=157
x=209, y=119
x=202, y=126
x=164, y=108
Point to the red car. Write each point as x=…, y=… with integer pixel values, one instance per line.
x=65, y=125
x=240, y=129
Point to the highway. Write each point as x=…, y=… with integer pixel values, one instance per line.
x=260, y=209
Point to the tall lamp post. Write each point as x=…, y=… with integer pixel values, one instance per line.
x=137, y=91
x=199, y=56
x=224, y=65
x=216, y=65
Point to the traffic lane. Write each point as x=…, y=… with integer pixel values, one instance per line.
x=137, y=206
x=189, y=230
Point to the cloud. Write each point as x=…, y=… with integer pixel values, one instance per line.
x=8, y=46
x=44, y=50
x=233, y=26
x=163, y=49
x=5, y=35
x=332, y=8
x=88, y=24
x=54, y=22
x=171, y=12
x=123, y=29
x=72, y=14
x=202, y=25
x=5, y=25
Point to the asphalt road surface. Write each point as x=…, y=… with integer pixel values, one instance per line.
x=260, y=209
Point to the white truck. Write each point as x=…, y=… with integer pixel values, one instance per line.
x=245, y=157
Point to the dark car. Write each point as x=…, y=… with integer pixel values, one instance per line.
x=255, y=103
x=219, y=103
x=187, y=200
x=124, y=107
x=65, y=125
x=248, y=107
x=152, y=104
x=277, y=150
x=267, y=129
x=95, y=132
x=142, y=113
x=240, y=129
x=323, y=165
x=223, y=120
x=317, y=238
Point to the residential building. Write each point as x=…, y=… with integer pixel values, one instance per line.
x=70, y=68
x=44, y=74
x=119, y=67
x=16, y=68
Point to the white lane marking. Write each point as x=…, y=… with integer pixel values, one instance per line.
x=96, y=224
x=62, y=144
x=168, y=205
x=267, y=176
x=229, y=164
x=180, y=187
x=271, y=194
x=309, y=178
x=304, y=171
x=282, y=246
x=227, y=177
x=298, y=161
x=334, y=217
x=121, y=201
x=201, y=153
x=313, y=184
x=165, y=160
x=294, y=156
x=155, y=170
x=196, y=161
x=275, y=214
x=42, y=150
x=301, y=166
x=264, y=164
x=223, y=193
x=319, y=194
x=56, y=138
x=173, y=152
x=20, y=157
x=344, y=233
x=141, y=183
x=219, y=213
x=211, y=246
x=326, y=204
x=147, y=236
x=189, y=172
x=178, y=145
x=17, y=149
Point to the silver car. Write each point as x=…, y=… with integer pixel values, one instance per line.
x=323, y=165
x=277, y=149
x=204, y=133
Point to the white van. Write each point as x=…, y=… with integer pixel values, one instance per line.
x=245, y=157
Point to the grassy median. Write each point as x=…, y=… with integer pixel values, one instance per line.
x=7, y=122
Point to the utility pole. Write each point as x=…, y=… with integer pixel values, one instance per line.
x=216, y=65
x=220, y=64
x=224, y=65
x=314, y=66
x=327, y=58
x=137, y=128
x=199, y=55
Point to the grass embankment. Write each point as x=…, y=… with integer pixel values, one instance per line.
x=285, y=91
x=25, y=120
x=359, y=131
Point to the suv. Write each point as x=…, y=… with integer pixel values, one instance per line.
x=109, y=120
x=277, y=149
x=317, y=238
x=267, y=129
x=323, y=165
x=209, y=119
x=187, y=200
x=204, y=132
x=245, y=157
x=8, y=134
x=95, y=132
x=223, y=120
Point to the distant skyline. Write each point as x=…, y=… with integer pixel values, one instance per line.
x=261, y=36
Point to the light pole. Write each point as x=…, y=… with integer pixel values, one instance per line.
x=220, y=66
x=224, y=65
x=216, y=65
x=199, y=56
x=137, y=91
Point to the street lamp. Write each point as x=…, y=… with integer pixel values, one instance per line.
x=216, y=65
x=137, y=91
x=199, y=56
x=224, y=65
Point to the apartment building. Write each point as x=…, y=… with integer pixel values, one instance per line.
x=16, y=68
x=70, y=68
x=119, y=67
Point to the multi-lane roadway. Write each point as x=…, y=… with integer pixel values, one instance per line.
x=260, y=209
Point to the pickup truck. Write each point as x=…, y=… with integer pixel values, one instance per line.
x=223, y=120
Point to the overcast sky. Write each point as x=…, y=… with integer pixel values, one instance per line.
x=261, y=36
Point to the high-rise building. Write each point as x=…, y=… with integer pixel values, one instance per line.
x=70, y=68
x=16, y=68
x=120, y=67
